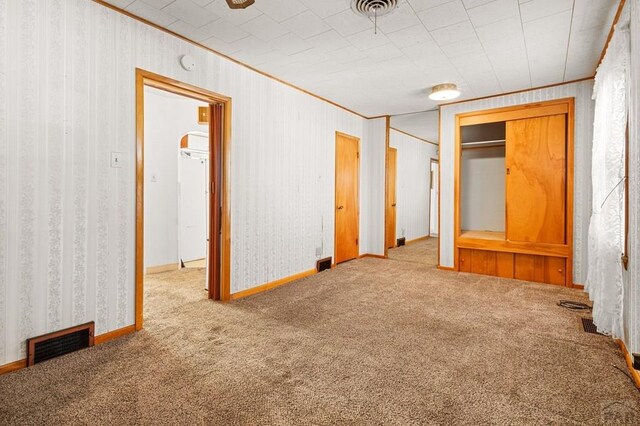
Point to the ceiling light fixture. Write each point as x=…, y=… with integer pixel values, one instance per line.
x=240, y=4
x=444, y=92
x=373, y=9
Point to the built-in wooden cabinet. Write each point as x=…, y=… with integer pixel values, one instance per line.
x=514, y=192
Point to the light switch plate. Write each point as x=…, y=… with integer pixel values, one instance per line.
x=116, y=160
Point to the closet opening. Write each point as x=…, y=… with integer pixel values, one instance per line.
x=513, y=198
x=182, y=194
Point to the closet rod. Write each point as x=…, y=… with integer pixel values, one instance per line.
x=497, y=142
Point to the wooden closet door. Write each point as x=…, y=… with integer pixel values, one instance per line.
x=391, y=199
x=536, y=162
x=347, y=165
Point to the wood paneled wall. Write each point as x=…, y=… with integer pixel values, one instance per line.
x=581, y=91
x=67, y=85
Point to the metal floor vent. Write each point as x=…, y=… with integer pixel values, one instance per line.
x=52, y=345
x=401, y=241
x=589, y=326
x=323, y=264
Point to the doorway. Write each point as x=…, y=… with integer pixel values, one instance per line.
x=434, y=176
x=218, y=246
x=347, y=198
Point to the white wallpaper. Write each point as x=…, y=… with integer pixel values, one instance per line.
x=412, y=184
x=372, y=170
x=582, y=163
x=67, y=100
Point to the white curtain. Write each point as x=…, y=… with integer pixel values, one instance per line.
x=606, y=230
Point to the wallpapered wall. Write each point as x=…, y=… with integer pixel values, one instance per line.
x=67, y=85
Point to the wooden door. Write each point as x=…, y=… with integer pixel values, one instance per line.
x=536, y=167
x=390, y=232
x=347, y=166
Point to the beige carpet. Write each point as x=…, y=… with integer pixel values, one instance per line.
x=370, y=342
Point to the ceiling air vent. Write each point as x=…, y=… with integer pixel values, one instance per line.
x=373, y=9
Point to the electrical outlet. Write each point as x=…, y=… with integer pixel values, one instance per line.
x=116, y=160
x=318, y=252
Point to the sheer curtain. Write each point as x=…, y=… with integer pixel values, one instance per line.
x=606, y=229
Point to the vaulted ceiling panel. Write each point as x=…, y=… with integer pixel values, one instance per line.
x=484, y=46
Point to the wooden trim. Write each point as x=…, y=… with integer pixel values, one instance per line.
x=115, y=334
x=146, y=78
x=13, y=366
x=417, y=240
x=162, y=268
x=445, y=268
x=386, y=180
x=515, y=112
x=377, y=256
x=98, y=340
x=635, y=374
x=578, y=286
x=431, y=162
x=272, y=285
x=517, y=91
x=413, y=136
x=229, y=58
x=611, y=31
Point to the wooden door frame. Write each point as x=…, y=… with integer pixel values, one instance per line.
x=516, y=112
x=387, y=207
x=221, y=290
x=386, y=181
x=431, y=161
x=335, y=195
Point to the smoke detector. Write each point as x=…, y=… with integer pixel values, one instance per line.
x=373, y=9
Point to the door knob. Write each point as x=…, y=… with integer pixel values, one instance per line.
x=340, y=207
x=393, y=205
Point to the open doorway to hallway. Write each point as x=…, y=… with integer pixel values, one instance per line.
x=176, y=198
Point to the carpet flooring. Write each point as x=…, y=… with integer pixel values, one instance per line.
x=371, y=342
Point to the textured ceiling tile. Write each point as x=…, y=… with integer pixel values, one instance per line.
x=290, y=43
x=444, y=15
x=235, y=16
x=492, y=13
x=325, y=8
x=453, y=33
x=384, y=52
x=143, y=10
x=420, y=5
x=536, y=9
x=403, y=17
x=328, y=41
x=251, y=44
x=219, y=46
x=410, y=36
x=469, y=4
x=122, y=3
x=224, y=31
x=264, y=28
x=348, y=23
x=367, y=39
x=189, y=31
x=158, y=4
x=280, y=10
x=191, y=13
x=306, y=24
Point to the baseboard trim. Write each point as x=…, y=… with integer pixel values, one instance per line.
x=162, y=268
x=271, y=285
x=102, y=338
x=417, y=240
x=377, y=256
x=446, y=268
x=13, y=366
x=578, y=286
x=635, y=374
